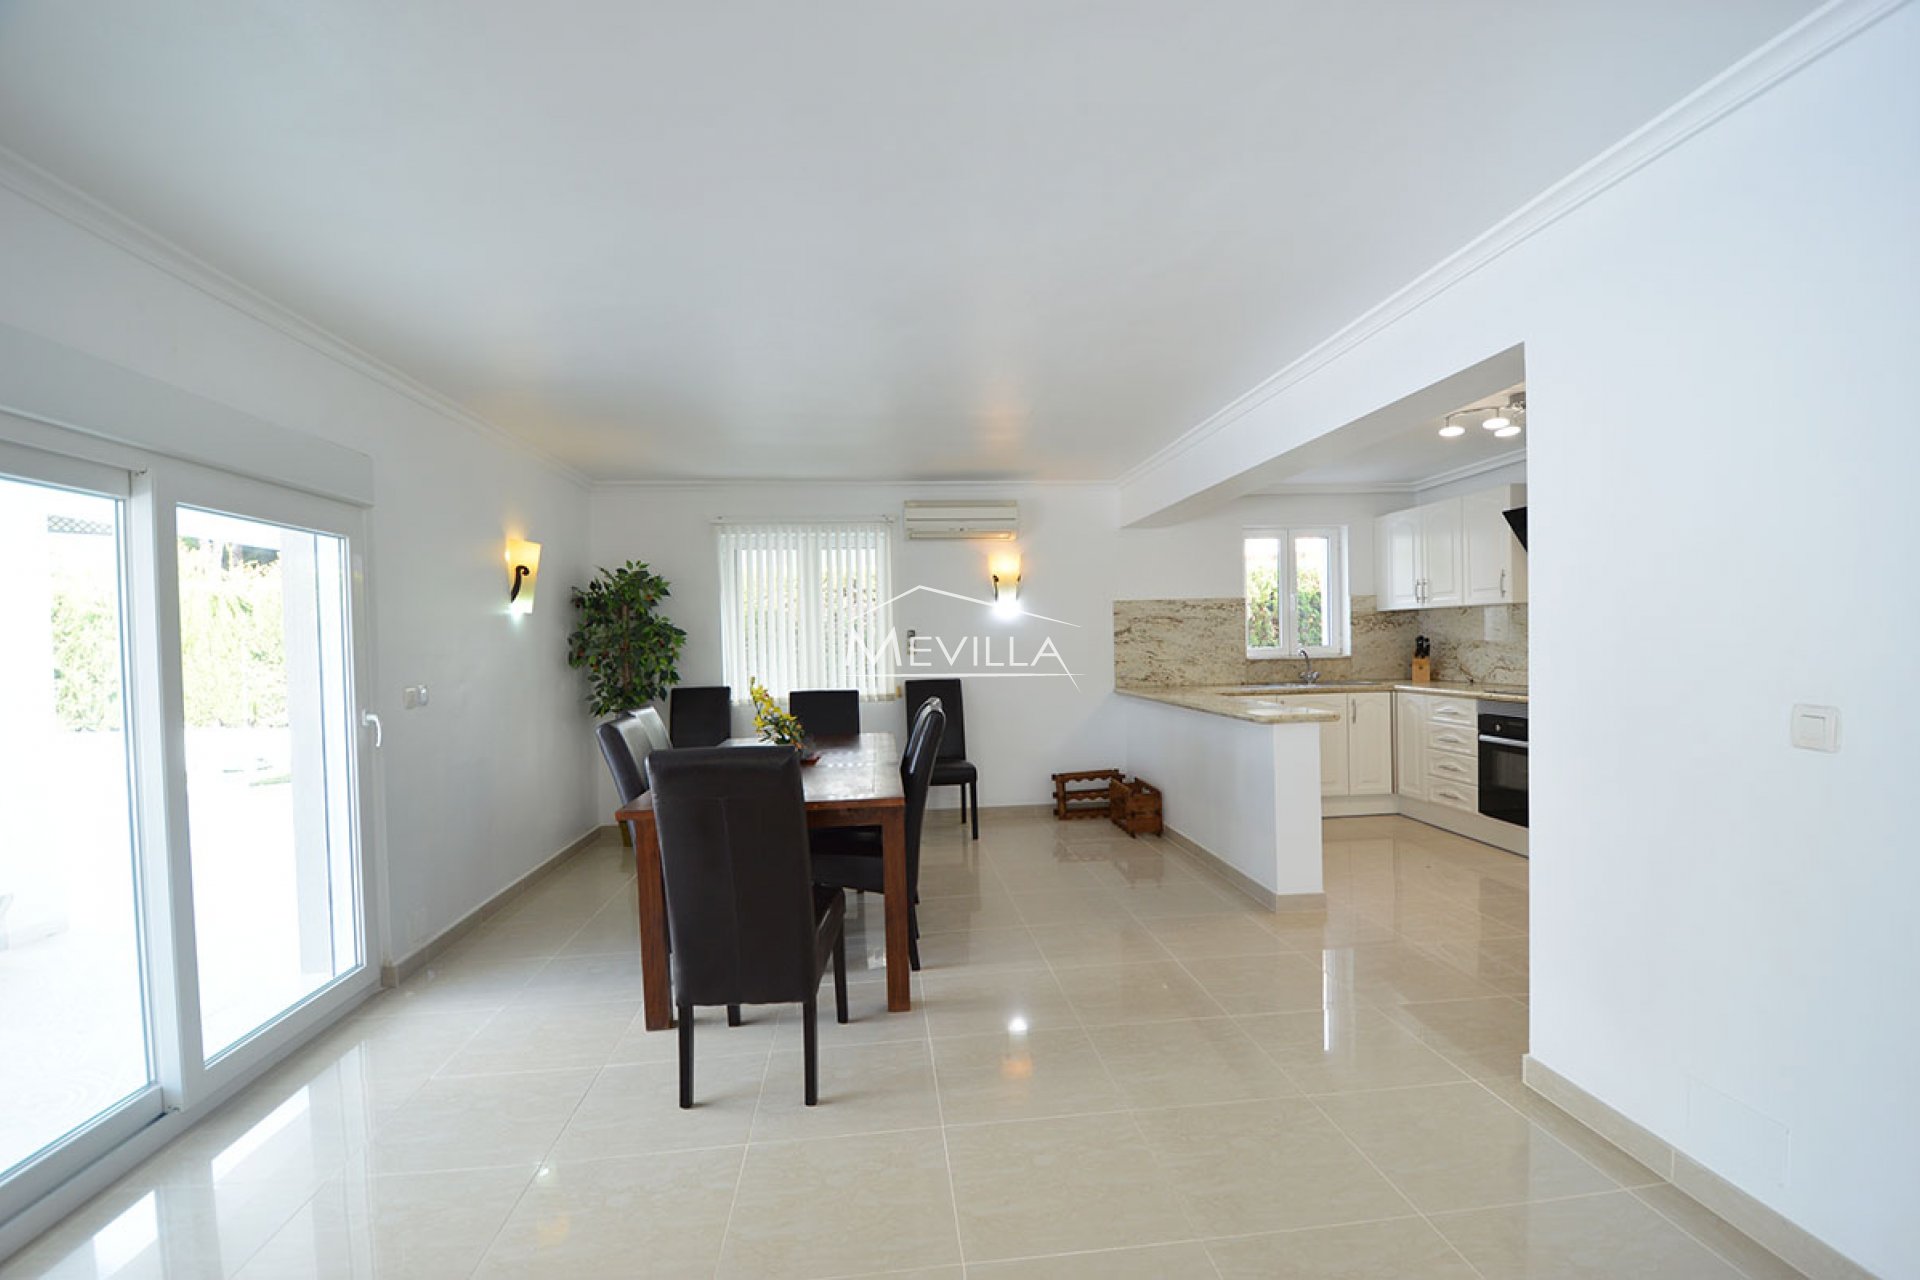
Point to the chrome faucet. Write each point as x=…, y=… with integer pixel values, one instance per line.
x=1310, y=675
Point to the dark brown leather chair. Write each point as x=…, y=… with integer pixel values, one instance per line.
x=625, y=745
x=953, y=768
x=700, y=715
x=826, y=713
x=851, y=858
x=748, y=924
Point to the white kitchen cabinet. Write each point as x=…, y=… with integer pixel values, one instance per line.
x=1396, y=543
x=1334, y=772
x=1356, y=751
x=1495, y=564
x=1410, y=744
x=1440, y=554
x=1369, y=744
x=1459, y=551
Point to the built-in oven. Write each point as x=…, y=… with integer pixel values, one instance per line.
x=1503, y=761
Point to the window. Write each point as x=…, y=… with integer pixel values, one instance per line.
x=807, y=606
x=1296, y=591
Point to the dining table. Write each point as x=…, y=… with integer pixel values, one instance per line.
x=853, y=781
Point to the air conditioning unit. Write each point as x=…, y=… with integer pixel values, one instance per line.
x=995, y=521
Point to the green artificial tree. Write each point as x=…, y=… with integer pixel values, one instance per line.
x=627, y=646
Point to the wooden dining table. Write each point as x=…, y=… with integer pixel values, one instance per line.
x=854, y=783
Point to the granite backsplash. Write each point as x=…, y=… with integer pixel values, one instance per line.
x=1160, y=643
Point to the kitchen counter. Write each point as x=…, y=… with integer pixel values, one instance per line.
x=1221, y=701
x=1265, y=703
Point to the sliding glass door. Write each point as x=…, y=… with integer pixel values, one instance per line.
x=264, y=663
x=73, y=991
x=184, y=892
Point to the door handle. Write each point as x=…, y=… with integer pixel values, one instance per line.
x=371, y=721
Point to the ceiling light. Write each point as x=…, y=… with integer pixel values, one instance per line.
x=1507, y=432
x=1453, y=430
x=1497, y=423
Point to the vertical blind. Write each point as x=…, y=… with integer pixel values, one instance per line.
x=807, y=606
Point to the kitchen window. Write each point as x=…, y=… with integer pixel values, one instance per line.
x=807, y=605
x=1295, y=583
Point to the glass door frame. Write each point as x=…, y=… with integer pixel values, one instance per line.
x=160, y=492
x=106, y=1131
x=184, y=1086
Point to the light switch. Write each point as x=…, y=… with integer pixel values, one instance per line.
x=423, y=695
x=1816, y=728
x=414, y=695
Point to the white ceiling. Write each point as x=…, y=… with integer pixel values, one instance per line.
x=948, y=239
x=1415, y=456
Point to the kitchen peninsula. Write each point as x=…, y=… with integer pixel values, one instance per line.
x=1241, y=776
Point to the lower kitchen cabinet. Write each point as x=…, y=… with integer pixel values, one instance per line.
x=1356, y=751
x=1370, y=744
x=1410, y=744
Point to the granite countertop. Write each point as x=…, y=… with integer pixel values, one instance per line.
x=1213, y=701
x=1266, y=704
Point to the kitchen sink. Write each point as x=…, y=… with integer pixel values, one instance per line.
x=1329, y=686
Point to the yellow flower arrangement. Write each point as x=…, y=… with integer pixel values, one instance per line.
x=779, y=727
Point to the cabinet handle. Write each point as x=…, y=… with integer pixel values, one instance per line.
x=1353, y=711
x=1503, y=584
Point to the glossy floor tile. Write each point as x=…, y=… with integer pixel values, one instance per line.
x=1115, y=1067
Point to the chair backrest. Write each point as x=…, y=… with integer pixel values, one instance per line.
x=826, y=713
x=733, y=851
x=916, y=775
x=626, y=745
x=656, y=727
x=700, y=715
x=953, y=744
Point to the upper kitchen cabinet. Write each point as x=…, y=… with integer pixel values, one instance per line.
x=1396, y=542
x=1458, y=551
x=1496, y=563
x=1440, y=554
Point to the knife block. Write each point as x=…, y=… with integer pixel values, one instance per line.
x=1423, y=670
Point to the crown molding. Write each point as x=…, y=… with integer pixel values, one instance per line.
x=63, y=200
x=792, y=483
x=1787, y=53
x=1434, y=481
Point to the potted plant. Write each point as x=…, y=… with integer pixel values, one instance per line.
x=627, y=646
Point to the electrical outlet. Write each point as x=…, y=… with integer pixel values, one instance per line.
x=423, y=696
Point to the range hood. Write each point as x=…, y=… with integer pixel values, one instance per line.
x=1518, y=519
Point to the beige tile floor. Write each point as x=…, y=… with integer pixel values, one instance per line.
x=1114, y=1068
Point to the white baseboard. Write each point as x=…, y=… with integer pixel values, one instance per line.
x=1212, y=864
x=393, y=973
x=1474, y=826
x=1790, y=1243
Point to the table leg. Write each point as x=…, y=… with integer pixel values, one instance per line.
x=893, y=872
x=655, y=980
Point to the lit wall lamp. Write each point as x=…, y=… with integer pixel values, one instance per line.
x=523, y=573
x=1005, y=571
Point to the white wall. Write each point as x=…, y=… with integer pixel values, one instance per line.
x=494, y=776
x=1720, y=360
x=1019, y=731
x=1202, y=557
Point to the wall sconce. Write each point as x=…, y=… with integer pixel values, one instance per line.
x=1005, y=571
x=523, y=573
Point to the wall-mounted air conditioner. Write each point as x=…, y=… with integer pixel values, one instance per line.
x=998, y=521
